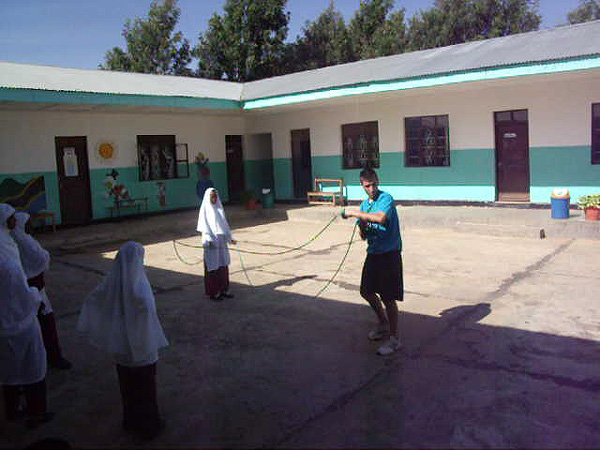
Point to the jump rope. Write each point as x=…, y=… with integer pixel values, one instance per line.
x=282, y=252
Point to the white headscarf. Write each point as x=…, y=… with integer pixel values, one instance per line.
x=8, y=246
x=34, y=258
x=18, y=302
x=211, y=219
x=119, y=316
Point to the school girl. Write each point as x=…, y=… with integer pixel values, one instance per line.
x=215, y=236
x=23, y=368
x=35, y=261
x=119, y=317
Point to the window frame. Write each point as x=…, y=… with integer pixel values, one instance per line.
x=368, y=157
x=166, y=143
x=409, y=139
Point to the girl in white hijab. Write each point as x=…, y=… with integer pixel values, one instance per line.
x=8, y=246
x=22, y=351
x=119, y=317
x=35, y=261
x=215, y=236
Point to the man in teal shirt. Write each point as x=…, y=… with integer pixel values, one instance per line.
x=381, y=280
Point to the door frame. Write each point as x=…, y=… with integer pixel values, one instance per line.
x=295, y=181
x=85, y=168
x=513, y=121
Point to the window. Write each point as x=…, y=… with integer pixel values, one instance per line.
x=360, y=145
x=159, y=158
x=426, y=141
x=596, y=133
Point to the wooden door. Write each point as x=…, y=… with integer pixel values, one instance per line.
x=73, y=180
x=301, y=162
x=235, y=167
x=512, y=156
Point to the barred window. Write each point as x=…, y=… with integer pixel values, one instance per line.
x=360, y=145
x=596, y=133
x=427, y=141
x=160, y=158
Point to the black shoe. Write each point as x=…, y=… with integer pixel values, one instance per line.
x=227, y=295
x=60, y=364
x=216, y=298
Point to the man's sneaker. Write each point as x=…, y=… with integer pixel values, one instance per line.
x=389, y=347
x=378, y=334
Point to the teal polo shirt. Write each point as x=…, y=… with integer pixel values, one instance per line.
x=382, y=238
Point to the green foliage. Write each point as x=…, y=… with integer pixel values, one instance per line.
x=587, y=11
x=323, y=43
x=452, y=22
x=152, y=44
x=589, y=201
x=244, y=44
x=374, y=32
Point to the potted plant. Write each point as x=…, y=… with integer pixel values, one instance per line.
x=591, y=206
x=249, y=199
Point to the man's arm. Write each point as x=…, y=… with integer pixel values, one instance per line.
x=377, y=217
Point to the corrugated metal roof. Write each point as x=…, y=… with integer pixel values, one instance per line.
x=537, y=46
x=561, y=43
x=49, y=78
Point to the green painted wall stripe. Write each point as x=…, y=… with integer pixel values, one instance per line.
x=428, y=81
x=42, y=96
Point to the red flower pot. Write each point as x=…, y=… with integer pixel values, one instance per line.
x=592, y=214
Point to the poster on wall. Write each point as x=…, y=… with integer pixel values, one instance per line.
x=70, y=162
x=360, y=145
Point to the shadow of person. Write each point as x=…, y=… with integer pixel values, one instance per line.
x=466, y=314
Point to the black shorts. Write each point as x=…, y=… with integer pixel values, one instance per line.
x=382, y=274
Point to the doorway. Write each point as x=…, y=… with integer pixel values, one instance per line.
x=301, y=162
x=512, y=155
x=235, y=167
x=73, y=180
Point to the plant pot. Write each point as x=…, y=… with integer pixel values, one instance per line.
x=592, y=214
x=251, y=204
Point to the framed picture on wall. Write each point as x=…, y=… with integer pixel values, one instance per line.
x=360, y=145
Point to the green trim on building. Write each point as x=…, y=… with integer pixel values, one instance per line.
x=92, y=98
x=562, y=167
x=284, y=180
x=427, y=81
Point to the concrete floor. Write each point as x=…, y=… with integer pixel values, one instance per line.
x=501, y=342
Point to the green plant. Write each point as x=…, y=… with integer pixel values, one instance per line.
x=589, y=201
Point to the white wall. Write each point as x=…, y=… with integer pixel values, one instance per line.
x=559, y=113
x=27, y=137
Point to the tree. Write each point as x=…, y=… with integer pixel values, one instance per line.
x=323, y=43
x=586, y=11
x=152, y=44
x=373, y=34
x=246, y=43
x=456, y=21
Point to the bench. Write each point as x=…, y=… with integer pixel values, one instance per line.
x=128, y=204
x=319, y=196
x=41, y=216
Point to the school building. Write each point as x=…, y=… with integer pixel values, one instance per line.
x=500, y=120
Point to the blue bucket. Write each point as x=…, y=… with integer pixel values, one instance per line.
x=559, y=204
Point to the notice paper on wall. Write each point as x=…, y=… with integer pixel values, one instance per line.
x=70, y=162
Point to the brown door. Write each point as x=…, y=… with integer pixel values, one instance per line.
x=512, y=156
x=301, y=162
x=235, y=167
x=73, y=180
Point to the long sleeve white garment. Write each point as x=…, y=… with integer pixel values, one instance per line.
x=8, y=246
x=22, y=349
x=119, y=316
x=215, y=232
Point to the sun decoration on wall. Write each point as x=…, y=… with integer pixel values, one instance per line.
x=106, y=152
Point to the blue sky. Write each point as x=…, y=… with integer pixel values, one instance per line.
x=77, y=33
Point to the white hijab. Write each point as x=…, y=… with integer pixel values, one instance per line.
x=34, y=258
x=18, y=302
x=8, y=246
x=119, y=316
x=211, y=219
